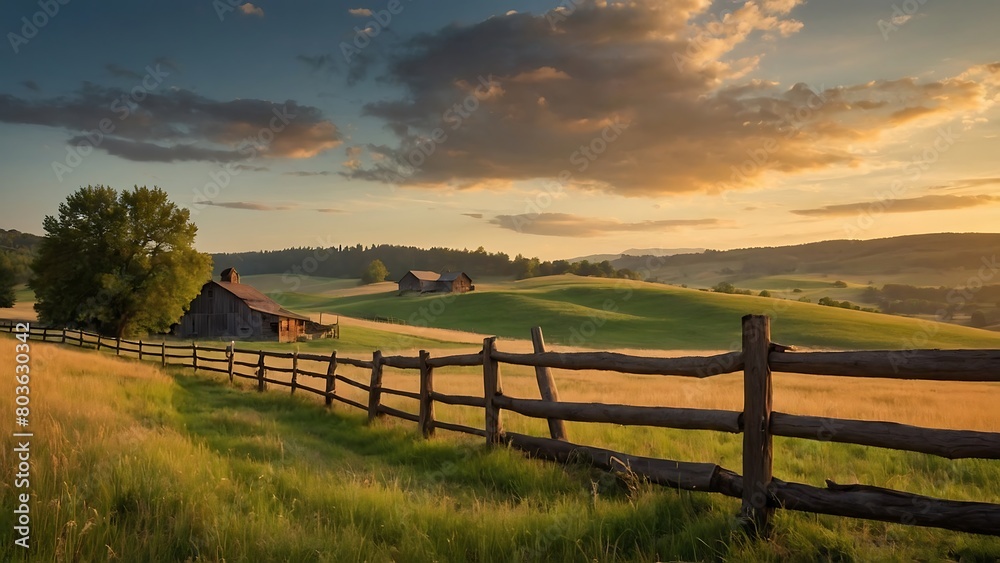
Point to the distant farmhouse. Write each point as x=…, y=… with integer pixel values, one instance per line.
x=432, y=282
x=231, y=310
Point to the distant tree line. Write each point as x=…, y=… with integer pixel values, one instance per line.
x=354, y=261
x=16, y=252
x=914, y=300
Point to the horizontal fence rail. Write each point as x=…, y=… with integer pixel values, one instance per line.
x=760, y=492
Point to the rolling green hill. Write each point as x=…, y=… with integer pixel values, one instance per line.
x=602, y=313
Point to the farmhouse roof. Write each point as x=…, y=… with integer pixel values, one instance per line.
x=257, y=301
x=424, y=275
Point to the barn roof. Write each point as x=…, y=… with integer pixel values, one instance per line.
x=423, y=275
x=257, y=301
x=451, y=276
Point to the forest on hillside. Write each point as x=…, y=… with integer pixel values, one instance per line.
x=938, y=251
x=351, y=261
x=16, y=252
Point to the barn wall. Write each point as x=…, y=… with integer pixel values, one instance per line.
x=461, y=284
x=216, y=313
x=410, y=282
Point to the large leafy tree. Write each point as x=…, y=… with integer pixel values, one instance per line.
x=122, y=263
x=7, y=280
x=374, y=272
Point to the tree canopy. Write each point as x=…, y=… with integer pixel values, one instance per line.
x=7, y=280
x=375, y=272
x=122, y=263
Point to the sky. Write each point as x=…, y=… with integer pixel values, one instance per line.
x=545, y=128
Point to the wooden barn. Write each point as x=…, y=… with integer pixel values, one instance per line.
x=230, y=310
x=455, y=282
x=432, y=282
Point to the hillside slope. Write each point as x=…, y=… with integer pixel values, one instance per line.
x=945, y=258
x=601, y=313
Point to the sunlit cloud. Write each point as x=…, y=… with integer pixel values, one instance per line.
x=910, y=205
x=543, y=93
x=249, y=9
x=250, y=205
x=569, y=225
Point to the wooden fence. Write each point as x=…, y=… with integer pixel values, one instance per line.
x=758, y=490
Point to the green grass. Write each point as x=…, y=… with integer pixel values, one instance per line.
x=133, y=464
x=603, y=313
x=23, y=294
x=280, y=283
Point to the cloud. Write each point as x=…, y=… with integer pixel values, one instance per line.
x=524, y=96
x=910, y=205
x=179, y=125
x=31, y=85
x=119, y=71
x=568, y=225
x=250, y=168
x=249, y=9
x=257, y=206
x=360, y=12
x=250, y=205
x=309, y=173
x=141, y=151
x=474, y=215
x=966, y=183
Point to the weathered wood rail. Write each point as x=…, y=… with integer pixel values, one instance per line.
x=759, y=491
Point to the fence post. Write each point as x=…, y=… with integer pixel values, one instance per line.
x=491, y=388
x=98, y=342
x=295, y=370
x=261, y=384
x=547, y=385
x=331, y=379
x=140, y=349
x=194, y=356
x=45, y=333
x=163, y=354
x=63, y=336
x=757, y=453
x=426, y=403
x=375, y=385
x=230, y=355
x=118, y=344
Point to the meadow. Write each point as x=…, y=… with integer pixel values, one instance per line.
x=135, y=463
x=606, y=313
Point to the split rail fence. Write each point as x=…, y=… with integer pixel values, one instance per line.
x=759, y=491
